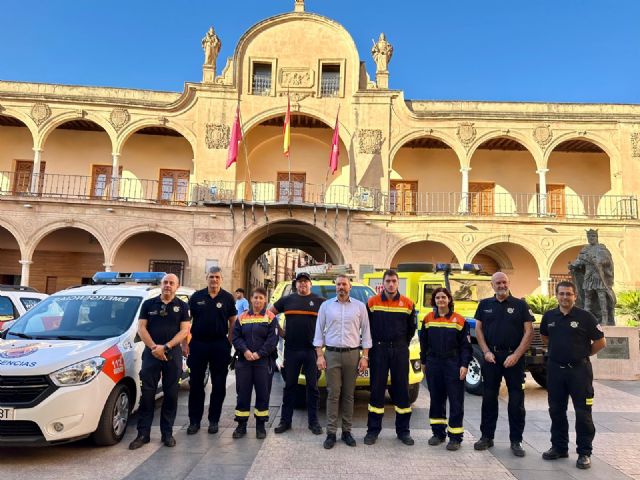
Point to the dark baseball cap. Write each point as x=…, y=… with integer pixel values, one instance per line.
x=303, y=276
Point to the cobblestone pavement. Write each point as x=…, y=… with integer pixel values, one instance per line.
x=299, y=454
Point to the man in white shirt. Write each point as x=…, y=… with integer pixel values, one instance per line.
x=342, y=330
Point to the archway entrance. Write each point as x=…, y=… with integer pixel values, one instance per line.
x=10, y=270
x=298, y=241
x=424, y=251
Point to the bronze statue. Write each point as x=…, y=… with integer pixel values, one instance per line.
x=592, y=273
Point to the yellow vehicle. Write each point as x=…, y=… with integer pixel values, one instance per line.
x=468, y=285
x=325, y=287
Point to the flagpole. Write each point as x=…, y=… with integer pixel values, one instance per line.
x=326, y=178
x=244, y=145
x=289, y=146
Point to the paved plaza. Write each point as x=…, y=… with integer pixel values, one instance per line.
x=298, y=454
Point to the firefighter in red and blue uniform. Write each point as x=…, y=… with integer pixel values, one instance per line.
x=445, y=351
x=392, y=319
x=255, y=338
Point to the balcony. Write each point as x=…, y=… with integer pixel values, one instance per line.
x=180, y=192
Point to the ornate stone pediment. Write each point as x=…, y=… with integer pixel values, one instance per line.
x=217, y=136
x=296, y=77
x=370, y=140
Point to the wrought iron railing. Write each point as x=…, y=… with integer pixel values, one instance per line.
x=177, y=191
x=330, y=85
x=261, y=85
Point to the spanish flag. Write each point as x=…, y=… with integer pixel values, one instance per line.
x=287, y=129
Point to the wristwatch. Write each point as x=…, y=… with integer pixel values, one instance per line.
x=167, y=347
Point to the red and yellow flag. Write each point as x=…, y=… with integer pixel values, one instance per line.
x=287, y=129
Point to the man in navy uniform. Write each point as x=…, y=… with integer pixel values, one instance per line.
x=573, y=335
x=163, y=325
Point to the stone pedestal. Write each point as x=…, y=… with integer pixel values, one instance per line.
x=382, y=79
x=620, y=360
x=208, y=74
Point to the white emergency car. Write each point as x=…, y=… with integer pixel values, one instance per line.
x=16, y=300
x=69, y=367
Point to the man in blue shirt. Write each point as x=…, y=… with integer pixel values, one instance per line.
x=242, y=304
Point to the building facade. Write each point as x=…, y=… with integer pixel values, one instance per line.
x=103, y=178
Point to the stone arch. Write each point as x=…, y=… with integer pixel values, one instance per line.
x=15, y=232
x=514, y=135
x=445, y=138
x=124, y=235
x=248, y=243
x=61, y=119
x=133, y=127
x=520, y=240
x=596, y=139
x=24, y=118
x=450, y=242
x=45, y=230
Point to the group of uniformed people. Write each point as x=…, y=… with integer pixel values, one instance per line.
x=344, y=337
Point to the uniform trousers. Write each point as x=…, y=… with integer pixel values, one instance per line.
x=443, y=380
x=257, y=375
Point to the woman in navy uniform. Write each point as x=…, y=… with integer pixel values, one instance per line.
x=445, y=351
x=255, y=337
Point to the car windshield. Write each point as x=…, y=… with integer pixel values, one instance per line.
x=470, y=290
x=357, y=292
x=77, y=317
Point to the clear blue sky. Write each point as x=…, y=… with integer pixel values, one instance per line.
x=511, y=50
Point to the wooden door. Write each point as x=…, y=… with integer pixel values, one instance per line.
x=481, y=196
x=101, y=180
x=173, y=186
x=22, y=176
x=555, y=200
x=293, y=192
x=403, y=197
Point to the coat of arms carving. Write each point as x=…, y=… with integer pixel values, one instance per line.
x=217, y=136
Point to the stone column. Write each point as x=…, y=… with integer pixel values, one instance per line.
x=464, y=198
x=35, y=174
x=115, y=183
x=24, y=276
x=544, y=285
x=107, y=266
x=542, y=199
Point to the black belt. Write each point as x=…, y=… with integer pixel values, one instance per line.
x=341, y=349
x=576, y=363
x=395, y=343
x=448, y=354
x=502, y=349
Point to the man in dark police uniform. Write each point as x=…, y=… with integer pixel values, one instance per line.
x=573, y=335
x=214, y=311
x=163, y=325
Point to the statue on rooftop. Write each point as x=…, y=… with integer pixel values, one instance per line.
x=211, y=44
x=382, y=52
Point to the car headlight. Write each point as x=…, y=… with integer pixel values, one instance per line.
x=78, y=373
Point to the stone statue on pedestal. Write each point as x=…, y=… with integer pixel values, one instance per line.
x=592, y=273
x=211, y=44
x=382, y=51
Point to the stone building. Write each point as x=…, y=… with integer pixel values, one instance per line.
x=106, y=178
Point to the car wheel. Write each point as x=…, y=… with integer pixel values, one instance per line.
x=414, y=391
x=473, y=381
x=540, y=376
x=115, y=416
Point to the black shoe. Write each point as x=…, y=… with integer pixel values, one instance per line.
x=483, y=443
x=330, y=441
x=283, y=427
x=139, y=441
x=516, y=448
x=213, y=428
x=583, y=462
x=553, y=454
x=453, y=445
x=348, y=439
x=240, y=431
x=316, y=429
x=193, y=428
x=406, y=439
x=261, y=433
x=370, y=438
x=169, y=441
x=436, y=440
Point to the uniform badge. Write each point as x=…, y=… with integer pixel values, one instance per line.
x=400, y=304
x=510, y=310
x=574, y=324
x=219, y=305
x=311, y=303
x=176, y=309
x=488, y=311
x=552, y=324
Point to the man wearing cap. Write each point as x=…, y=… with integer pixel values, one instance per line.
x=301, y=311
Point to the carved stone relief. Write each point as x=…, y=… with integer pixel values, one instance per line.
x=119, y=118
x=546, y=243
x=369, y=140
x=635, y=144
x=466, y=133
x=217, y=136
x=40, y=112
x=212, y=237
x=296, y=77
x=543, y=135
x=297, y=97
